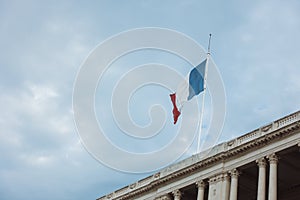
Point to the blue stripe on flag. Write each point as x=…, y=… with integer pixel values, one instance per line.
x=196, y=80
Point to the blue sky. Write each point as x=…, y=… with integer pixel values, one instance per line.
x=255, y=45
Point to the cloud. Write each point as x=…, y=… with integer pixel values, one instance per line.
x=259, y=76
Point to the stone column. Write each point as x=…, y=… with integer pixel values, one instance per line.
x=234, y=184
x=261, y=190
x=177, y=194
x=273, y=159
x=201, y=188
x=225, y=187
x=212, y=188
x=218, y=187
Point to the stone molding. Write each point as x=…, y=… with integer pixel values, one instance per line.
x=215, y=179
x=222, y=177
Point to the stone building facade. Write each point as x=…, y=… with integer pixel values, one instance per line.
x=263, y=164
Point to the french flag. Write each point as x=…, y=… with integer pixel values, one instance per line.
x=193, y=85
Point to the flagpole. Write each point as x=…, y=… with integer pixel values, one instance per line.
x=203, y=96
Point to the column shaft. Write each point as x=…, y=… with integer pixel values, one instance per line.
x=201, y=189
x=234, y=185
x=211, y=189
x=273, y=159
x=225, y=187
x=261, y=190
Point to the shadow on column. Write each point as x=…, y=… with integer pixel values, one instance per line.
x=190, y=192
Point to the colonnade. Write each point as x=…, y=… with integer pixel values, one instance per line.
x=225, y=186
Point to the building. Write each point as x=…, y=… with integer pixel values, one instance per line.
x=263, y=164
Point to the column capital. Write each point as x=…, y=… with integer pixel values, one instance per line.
x=226, y=176
x=177, y=193
x=212, y=180
x=234, y=173
x=200, y=184
x=261, y=162
x=273, y=158
x=219, y=178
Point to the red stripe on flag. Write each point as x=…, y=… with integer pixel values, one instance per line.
x=176, y=112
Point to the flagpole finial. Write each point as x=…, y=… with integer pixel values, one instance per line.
x=208, y=49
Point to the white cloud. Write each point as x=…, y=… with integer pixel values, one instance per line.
x=37, y=160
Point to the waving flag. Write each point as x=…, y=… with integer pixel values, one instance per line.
x=193, y=85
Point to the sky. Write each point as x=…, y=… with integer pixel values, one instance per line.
x=43, y=44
